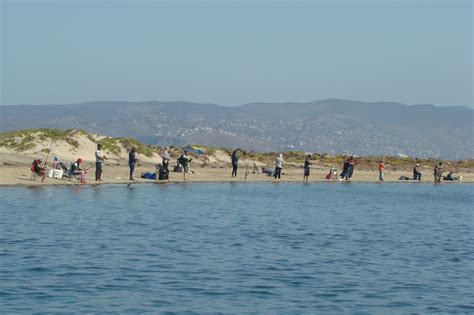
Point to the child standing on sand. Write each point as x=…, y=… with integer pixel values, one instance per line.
x=381, y=170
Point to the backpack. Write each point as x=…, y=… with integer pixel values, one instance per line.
x=182, y=160
x=35, y=166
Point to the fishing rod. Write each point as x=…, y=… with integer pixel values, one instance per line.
x=246, y=165
x=49, y=151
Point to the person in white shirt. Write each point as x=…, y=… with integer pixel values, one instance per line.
x=166, y=158
x=278, y=166
x=99, y=162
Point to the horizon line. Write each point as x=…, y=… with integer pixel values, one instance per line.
x=246, y=104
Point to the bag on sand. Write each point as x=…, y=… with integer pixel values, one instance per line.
x=149, y=175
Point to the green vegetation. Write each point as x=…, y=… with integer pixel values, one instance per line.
x=26, y=139
x=18, y=140
x=110, y=145
x=145, y=149
x=23, y=140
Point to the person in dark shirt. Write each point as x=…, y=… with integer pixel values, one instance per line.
x=307, y=167
x=345, y=170
x=235, y=163
x=352, y=164
x=184, y=160
x=132, y=161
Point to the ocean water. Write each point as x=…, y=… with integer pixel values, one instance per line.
x=237, y=248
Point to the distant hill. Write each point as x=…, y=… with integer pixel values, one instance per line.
x=328, y=126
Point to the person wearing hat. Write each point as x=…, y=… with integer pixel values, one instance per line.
x=416, y=172
x=77, y=170
x=381, y=170
x=278, y=166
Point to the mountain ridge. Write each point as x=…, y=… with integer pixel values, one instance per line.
x=331, y=126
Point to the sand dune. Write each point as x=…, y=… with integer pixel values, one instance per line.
x=18, y=150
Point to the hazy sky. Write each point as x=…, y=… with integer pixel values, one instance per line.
x=232, y=52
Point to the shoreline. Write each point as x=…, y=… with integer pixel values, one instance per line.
x=20, y=176
x=228, y=182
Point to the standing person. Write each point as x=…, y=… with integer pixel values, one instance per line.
x=416, y=172
x=345, y=169
x=438, y=172
x=166, y=158
x=278, y=166
x=184, y=160
x=381, y=170
x=132, y=161
x=99, y=162
x=235, y=163
x=352, y=164
x=307, y=167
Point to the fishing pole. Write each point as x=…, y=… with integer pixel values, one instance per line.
x=246, y=165
x=49, y=151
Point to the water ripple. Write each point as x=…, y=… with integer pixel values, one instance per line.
x=237, y=249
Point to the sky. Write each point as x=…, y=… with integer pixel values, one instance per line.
x=236, y=52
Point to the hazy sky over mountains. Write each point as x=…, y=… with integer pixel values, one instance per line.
x=234, y=52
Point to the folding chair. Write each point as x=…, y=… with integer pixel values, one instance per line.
x=73, y=177
x=34, y=175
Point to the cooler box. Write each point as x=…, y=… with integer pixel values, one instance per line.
x=58, y=174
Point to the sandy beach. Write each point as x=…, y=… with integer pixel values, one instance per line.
x=16, y=157
x=20, y=175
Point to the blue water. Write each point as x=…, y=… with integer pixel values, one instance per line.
x=237, y=248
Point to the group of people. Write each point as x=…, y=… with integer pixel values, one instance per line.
x=184, y=160
x=348, y=168
x=279, y=163
x=437, y=173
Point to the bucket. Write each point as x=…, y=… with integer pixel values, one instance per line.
x=58, y=174
x=50, y=173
